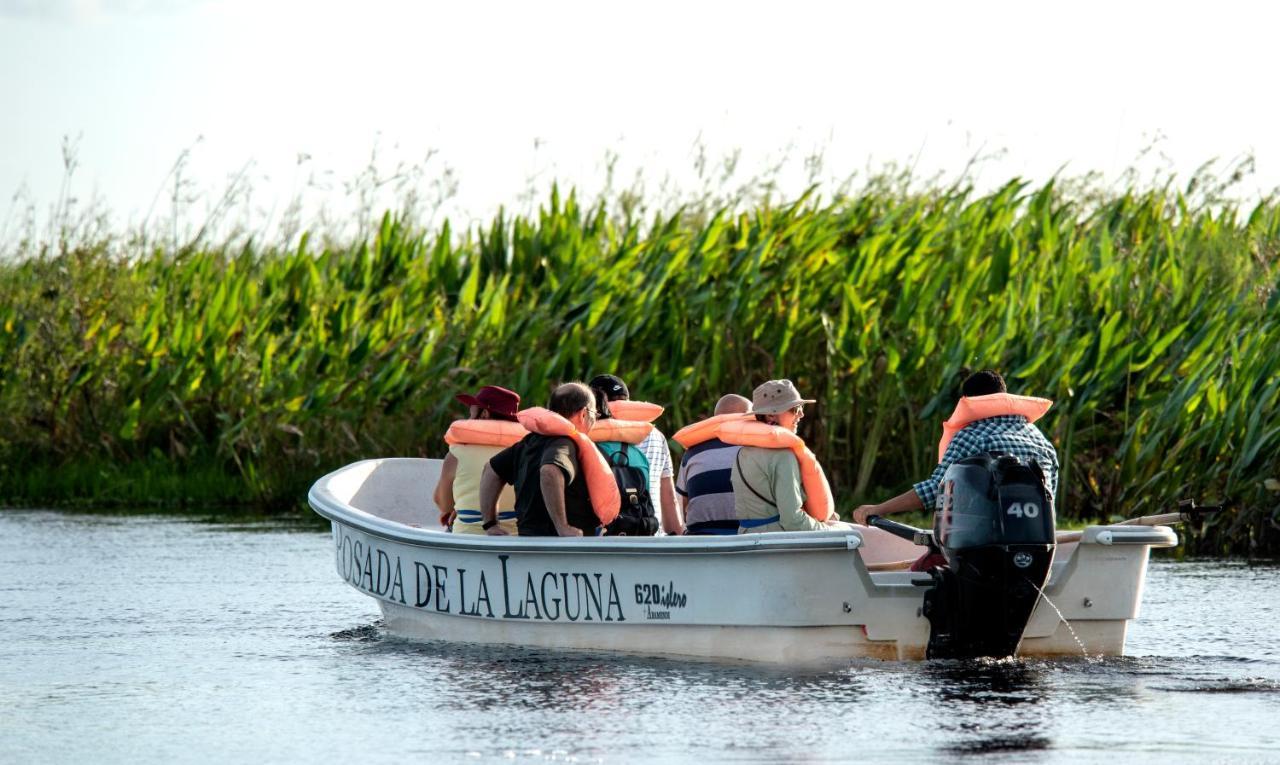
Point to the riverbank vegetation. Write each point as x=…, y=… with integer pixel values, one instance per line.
x=237, y=374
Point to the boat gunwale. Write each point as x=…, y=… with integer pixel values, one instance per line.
x=327, y=505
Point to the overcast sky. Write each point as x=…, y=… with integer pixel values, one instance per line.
x=298, y=94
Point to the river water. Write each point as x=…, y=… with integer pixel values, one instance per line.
x=142, y=638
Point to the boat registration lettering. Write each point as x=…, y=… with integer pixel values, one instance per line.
x=657, y=595
x=493, y=590
x=658, y=600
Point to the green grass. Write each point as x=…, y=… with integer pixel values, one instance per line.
x=153, y=481
x=219, y=375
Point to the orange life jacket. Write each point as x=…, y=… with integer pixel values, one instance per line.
x=501, y=433
x=819, y=504
x=973, y=408
x=601, y=486
x=691, y=435
x=485, y=433
x=624, y=431
x=636, y=411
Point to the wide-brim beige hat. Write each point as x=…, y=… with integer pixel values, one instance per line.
x=776, y=397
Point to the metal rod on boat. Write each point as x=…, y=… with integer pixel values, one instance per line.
x=1188, y=512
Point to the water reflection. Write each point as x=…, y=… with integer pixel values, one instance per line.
x=485, y=677
x=974, y=698
x=500, y=698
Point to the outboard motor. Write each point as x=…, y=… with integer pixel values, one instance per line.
x=996, y=531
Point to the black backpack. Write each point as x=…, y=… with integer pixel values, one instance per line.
x=637, y=517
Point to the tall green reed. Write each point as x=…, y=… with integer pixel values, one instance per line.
x=1152, y=320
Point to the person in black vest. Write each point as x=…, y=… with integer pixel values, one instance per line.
x=551, y=490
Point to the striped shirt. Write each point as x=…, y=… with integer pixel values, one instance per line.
x=705, y=483
x=1010, y=433
x=658, y=453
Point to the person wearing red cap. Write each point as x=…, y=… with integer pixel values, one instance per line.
x=457, y=495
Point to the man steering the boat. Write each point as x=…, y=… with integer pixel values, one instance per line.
x=987, y=419
x=546, y=467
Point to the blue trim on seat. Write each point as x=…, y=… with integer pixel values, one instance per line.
x=474, y=516
x=713, y=532
x=751, y=523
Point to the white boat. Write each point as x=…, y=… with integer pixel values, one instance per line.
x=793, y=597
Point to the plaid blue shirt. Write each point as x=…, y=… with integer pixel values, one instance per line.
x=1009, y=433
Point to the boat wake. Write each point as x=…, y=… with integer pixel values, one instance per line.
x=369, y=633
x=1229, y=685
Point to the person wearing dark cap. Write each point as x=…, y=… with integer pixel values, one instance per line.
x=655, y=448
x=987, y=419
x=490, y=428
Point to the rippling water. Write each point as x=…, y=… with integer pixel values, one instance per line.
x=127, y=638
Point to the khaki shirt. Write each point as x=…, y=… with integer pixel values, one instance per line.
x=774, y=473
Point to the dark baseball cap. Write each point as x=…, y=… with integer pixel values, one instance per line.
x=612, y=385
x=495, y=399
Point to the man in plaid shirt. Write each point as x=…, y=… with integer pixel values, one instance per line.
x=1011, y=433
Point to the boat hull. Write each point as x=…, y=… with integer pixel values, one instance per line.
x=780, y=597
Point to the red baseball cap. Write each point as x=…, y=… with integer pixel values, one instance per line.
x=495, y=399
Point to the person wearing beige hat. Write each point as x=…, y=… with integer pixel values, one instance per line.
x=768, y=486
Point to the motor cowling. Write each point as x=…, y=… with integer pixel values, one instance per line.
x=996, y=530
